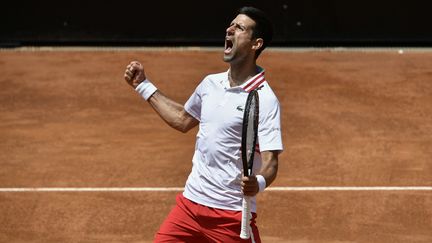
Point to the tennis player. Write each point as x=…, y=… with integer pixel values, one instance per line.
x=209, y=209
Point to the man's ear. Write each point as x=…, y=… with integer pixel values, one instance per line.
x=258, y=43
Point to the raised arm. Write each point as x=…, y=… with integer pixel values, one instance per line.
x=170, y=111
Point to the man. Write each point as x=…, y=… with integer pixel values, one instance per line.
x=209, y=210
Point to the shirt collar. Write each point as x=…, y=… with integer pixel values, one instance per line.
x=253, y=82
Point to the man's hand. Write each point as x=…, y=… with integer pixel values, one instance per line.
x=134, y=74
x=249, y=185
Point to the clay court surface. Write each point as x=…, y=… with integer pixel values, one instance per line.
x=357, y=119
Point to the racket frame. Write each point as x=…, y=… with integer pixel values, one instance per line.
x=245, y=230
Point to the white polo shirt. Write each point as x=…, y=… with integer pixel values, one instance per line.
x=217, y=166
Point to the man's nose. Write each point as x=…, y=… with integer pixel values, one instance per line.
x=230, y=30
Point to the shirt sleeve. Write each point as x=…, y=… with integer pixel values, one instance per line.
x=194, y=103
x=269, y=127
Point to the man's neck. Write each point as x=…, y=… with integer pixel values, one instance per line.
x=238, y=74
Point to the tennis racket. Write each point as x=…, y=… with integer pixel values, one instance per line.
x=249, y=138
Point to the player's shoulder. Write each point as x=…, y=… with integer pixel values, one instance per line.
x=266, y=94
x=215, y=77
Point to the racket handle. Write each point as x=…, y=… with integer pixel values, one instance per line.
x=245, y=221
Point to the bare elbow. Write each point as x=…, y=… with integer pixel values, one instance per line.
x=187, y=126
x=184, y=126
x=187, y=122
x=184, y=129
x=180, y=127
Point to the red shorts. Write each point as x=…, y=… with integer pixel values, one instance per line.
x=191, y=222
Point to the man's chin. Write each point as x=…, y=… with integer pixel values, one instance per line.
x=228, y=58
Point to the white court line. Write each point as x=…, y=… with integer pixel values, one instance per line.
x=93, y=189
x=177, y=189
x=353, y=188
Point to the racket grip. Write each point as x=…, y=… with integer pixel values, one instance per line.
x=245, y=221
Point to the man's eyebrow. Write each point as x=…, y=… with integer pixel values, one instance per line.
x=239, y=24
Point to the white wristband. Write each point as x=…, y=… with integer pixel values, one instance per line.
x=146, y=89
x=261, y=182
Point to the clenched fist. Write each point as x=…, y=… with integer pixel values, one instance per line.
x=249, y=185
x=134, y=74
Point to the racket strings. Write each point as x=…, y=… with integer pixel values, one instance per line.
x=251, y=129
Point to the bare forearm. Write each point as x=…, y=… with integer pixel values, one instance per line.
x=172, y=112
x=269, y=168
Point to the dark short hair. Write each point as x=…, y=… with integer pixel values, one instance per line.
x=263, y=26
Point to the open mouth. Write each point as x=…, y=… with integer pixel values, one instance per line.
x=228, y=46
